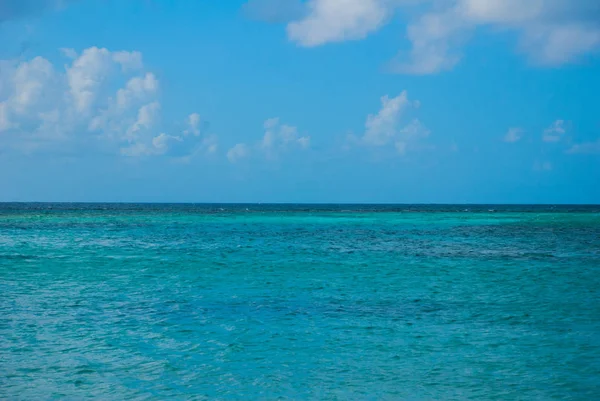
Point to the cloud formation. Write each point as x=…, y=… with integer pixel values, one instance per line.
x=184, y=145
x=337, y=20
x=590, y=148
x=44, y=106
x=554, y=132
x=550, y=32
x=237, y=152
x=277, y=139
x=280, y=137
x=388, y=127
x=513, y=135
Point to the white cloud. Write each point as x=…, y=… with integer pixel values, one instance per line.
x=238, y=152
x=513, y=135
x=271, y=123
x=90, y=71
x=414, y=130
x=383, y=126
x=69, y=53
x=433, y=37
x=592, y=148
x=338, y=20
x=555, y=132
x=500, y=11
x=549, y=32
x=171, y=145
x=46, y=107
x=194, y=124
x=162, y=141
x=138, y=149
x=304, y=142
x=146, y=118
x=387, y=127
x=552, y=32
x=32, y=82
x=50, y=127
x=189, y=143
x=210, y=143
x=28, y=93
x=7, y=69
x=182, y=147
x=137, y=89
x=277, y=139
x=5, y=123
x=158, y=145
x=129, y=60
x=400, y=147
x=556, y=45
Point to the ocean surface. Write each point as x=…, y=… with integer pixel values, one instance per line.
x=323, y=302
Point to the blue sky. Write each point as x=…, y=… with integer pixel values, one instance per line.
x=408, y=101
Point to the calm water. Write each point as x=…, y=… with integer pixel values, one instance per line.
x=198, y=302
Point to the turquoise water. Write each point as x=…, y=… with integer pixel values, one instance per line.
x=144, y=302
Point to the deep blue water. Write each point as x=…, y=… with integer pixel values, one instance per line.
x=407, y=302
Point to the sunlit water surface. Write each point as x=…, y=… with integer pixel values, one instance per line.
x=144, y=302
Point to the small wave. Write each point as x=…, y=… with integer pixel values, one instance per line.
x=19, y=256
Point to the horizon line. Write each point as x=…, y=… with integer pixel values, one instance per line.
x=302, y=203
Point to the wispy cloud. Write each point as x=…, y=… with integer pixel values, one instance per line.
x=592, y=148
x=277, y=139
x=513, y=135
x=554, y=132
x=389, y=127
x=550, y=32
x=336, y=21
x=238, y=152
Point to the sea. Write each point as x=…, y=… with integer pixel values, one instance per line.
x=299, y=302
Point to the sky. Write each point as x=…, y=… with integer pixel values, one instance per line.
x=324, y=101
